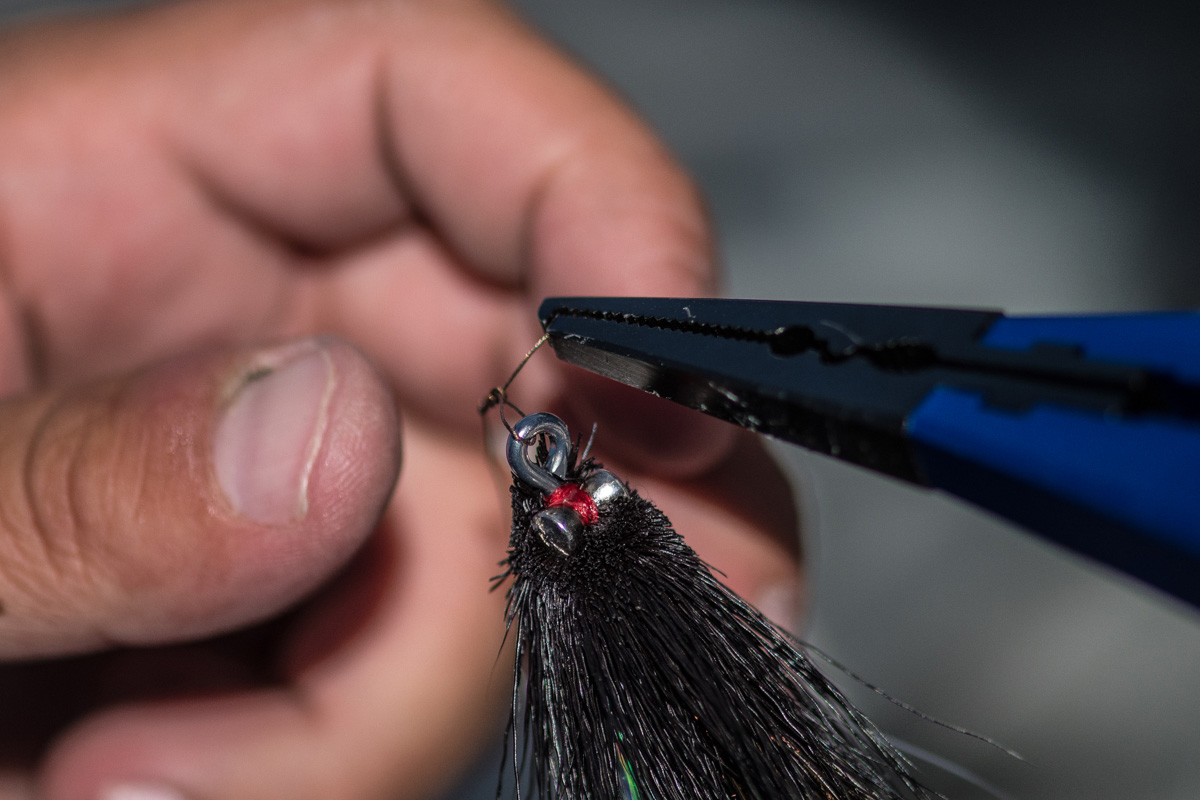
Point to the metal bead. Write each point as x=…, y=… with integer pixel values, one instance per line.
x=549, y=476
x=604, y=487
x=559, y=528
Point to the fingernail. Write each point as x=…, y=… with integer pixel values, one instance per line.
x=270, y=432
x=780, y=603
x=139, y=791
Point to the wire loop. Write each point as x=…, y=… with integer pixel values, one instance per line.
x=545, y=477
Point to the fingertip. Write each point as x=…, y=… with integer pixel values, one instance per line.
x=622, y=222
x=548, y=181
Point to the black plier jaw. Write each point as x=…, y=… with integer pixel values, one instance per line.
x=1083, y=428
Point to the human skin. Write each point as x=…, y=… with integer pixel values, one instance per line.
x=188, y=195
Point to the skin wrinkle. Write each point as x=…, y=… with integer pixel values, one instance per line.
x=60, y=556
x=133, y=491
x=416, y=218
x=287, y=249
x=292, y=251
x=8, y=516
x=17, y=554
x=552, y=154
x=63, y=511
x=76, y=482
x=393, y=167
x=385, y=132
x=32, y=498
x=527, y=242
x=106, y=506
x=86, y=519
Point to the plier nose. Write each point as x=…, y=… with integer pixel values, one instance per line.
x=1085, y=429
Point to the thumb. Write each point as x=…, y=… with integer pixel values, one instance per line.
x=189, y=498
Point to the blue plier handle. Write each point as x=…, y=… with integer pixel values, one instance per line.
x=1085, y=429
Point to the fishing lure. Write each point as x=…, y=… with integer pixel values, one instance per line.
x=640, y=676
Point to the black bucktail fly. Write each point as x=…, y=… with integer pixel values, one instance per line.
x=640, y=676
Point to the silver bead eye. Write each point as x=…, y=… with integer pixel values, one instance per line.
x=559, y=528
x=604, y=487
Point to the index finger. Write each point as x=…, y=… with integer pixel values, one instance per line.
x=537, y=172
x=348, y=116
x=549, y=183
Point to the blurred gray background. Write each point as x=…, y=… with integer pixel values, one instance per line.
x=1020, y=155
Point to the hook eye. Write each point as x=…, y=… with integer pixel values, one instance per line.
x=549, y=477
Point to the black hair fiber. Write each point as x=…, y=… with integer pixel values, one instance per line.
x=645, y=678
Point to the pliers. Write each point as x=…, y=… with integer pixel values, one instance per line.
x=1084, y=429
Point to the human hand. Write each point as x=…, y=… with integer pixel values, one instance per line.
x=181, y=187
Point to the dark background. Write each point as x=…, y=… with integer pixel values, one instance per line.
x=1021, y=155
